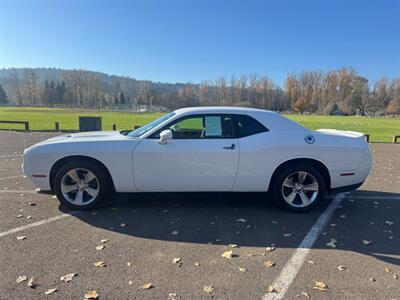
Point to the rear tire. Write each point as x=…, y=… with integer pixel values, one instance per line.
x=82, y=185
x=298, y=188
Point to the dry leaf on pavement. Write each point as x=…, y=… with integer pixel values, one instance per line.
x=129, y=264
x=389, y=223
x=388, y=270
x=233, y=245
x=342, y=268
x=101, y=247
x=241, y=220
x=21, y=237
x=91, y=295
x=271, y=289
x=31, y=284
x=243, y=270
x=21, y=279
x=104, y=241
x=123, y=224
x=305, y=294
x=50, y=291
x=99, y=264
x=332, y=243
x=68, y=277
x=367, y=242
x=208, y=289
x=287, y=234
x=227, y=254
x=146, y=286
x=269, y=263
x=321, y=286
x=269, y=249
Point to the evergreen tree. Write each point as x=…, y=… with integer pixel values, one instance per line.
x=3, y=96
x=122, y=99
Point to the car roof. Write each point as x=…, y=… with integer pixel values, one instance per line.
x=221, y=109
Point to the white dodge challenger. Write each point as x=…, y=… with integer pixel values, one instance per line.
x=202, y=149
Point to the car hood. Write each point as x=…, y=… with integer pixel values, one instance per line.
x=86, y=137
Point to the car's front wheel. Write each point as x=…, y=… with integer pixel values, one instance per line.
x=298, y=188
x=81, y=185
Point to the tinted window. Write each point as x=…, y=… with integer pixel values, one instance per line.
x=246, y=126
x=201, y=127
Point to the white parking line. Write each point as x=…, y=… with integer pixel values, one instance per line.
x=292, y=267
x=35, y=224
x=375, y=197
x=12, y=177
x=9, y=156
x=17, y=192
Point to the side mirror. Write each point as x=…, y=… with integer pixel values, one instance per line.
x=165, y=136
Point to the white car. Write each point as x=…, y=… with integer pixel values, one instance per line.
x=202, y=149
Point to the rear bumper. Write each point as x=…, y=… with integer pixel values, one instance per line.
x=346, y=188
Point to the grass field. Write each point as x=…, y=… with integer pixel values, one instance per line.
x=380, y=129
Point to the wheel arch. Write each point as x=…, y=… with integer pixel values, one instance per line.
x=320, y=166
x=62, y=161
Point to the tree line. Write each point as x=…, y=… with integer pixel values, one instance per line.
x=343, y=91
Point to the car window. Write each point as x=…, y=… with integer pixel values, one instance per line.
x=247, y=126
x=201, y=127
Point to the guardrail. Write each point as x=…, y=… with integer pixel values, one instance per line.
x=26, y=123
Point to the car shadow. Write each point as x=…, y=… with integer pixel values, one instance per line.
x=252, y=220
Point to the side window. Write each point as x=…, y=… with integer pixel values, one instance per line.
x=247, y=126
x=202, y=127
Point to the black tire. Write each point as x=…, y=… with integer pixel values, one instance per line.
x=277, y=187
x=103, y=183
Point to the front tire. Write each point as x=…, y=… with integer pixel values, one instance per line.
x=298, y=188
x=82, y=185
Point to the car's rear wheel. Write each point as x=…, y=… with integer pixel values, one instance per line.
x=298, y=188
x=81, y=185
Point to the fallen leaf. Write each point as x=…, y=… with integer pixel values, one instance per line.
x=287, y=234
x=269, y=249
x=91, y=295
x=99, y=264
x=197, y=264
x=129, y=264
x=208, y=289
x=21, y=279
x=50, y=291
x=19, y=216
x=367, y=242
x=233, y=245
x=68, y=277
x=311, y=262
x=29, y=217
x=241, y=220
x=21, y=237
x=177, y=260
x=372, y=279
x=31, y=284
x=271, y=289
x=32, y=203
x=321, y=286
x=175, y=232
x=332, y=243
x=342, y=216
x=130, y=282
x=123, y=224
x=305, y=294
x=274, y=222
x=269, y=263
x=388, y=270
x=243, y=270
x=146, y=286
x=94, y=213
x=341, y=268
x=171, y=296
x=395, y=276
x=227, y=254
x=386, y=222
x=104, y=241
x=101, y=247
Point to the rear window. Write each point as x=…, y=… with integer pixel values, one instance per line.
x=247, y=126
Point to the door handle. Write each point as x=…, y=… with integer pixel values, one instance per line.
x=231, y=147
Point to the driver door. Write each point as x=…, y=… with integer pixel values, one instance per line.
x=203, y=155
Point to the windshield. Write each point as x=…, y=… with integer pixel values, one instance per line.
x=149, y=126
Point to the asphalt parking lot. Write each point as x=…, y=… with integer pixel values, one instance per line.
x=143, y=234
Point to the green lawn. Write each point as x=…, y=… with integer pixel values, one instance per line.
x=380, y=129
